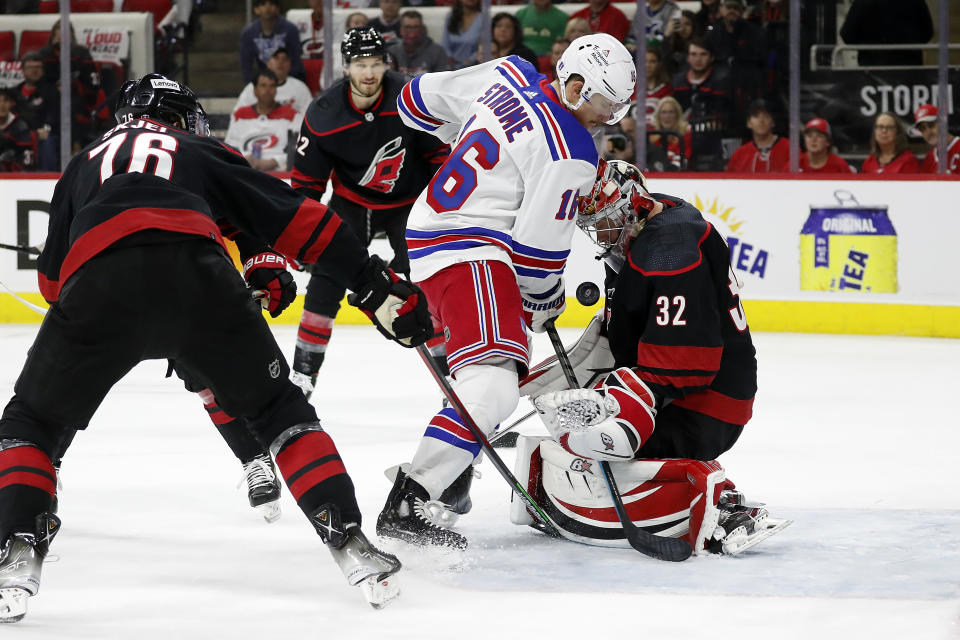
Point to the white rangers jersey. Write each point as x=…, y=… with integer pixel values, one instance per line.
x=509, y=189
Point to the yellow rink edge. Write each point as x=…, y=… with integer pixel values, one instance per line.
x=763, y=315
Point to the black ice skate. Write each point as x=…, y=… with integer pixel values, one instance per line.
x=362, y=563
x=456, y=497
x=407, y=517
x=20, y=563
x=742, y=525
x=263, y=486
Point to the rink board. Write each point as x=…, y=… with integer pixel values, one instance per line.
x=827, y=256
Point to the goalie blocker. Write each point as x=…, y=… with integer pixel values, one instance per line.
x=684, y=498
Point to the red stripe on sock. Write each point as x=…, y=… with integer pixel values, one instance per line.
x=26, y=457
x=304, y=450
x=315, y=476
x=29, y=479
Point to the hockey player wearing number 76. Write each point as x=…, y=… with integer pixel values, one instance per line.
x=134, y=268
x=489, y=237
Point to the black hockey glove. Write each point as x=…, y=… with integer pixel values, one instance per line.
x=266, y=273
x=398, y=308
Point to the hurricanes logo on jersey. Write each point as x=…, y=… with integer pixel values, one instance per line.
x=385, y=168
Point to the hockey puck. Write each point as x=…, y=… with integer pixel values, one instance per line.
x=588, y=294
x=506, y=441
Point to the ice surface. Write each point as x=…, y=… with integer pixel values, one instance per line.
x=855, y=438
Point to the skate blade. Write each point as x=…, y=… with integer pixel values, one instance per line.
x=270, y=511
x=13, y=604
x=769, y=526
x=381, y=591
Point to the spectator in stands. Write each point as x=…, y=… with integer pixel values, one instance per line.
x=461, y=32
x=618, y=142
x=818, y=158
x=658, y=82
x=87, y=99
x=18, y=145
x=604, y=18
x=669, y=117
x=290, y=91
x=577, y=27
x=662, y=16
x=741, y=46
x=703, y=92
x=766, y=152
x=559, y=46
x=262, y=131
x=542, y=24
x=707, y=16
x=888, y=147
x=888, y=22
x=354, y=20
x=507, y=40
x=38, y=103
x=311, y=32
x=416, y=53
x=388, y=22
x=675, y=43
x=925, y=122
x=773, y=17
x=266, y=34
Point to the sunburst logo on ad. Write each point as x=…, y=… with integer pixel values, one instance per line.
x=721, y=211
x=745, y=257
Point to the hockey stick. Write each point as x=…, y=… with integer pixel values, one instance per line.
x=33, y=251
x=659, y=547
x=543, y=522
x=25, y=303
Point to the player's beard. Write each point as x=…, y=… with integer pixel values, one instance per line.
x=358, y=89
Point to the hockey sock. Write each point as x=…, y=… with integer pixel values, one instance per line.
x=314, y=473
x=217, y=415
x=312, y=339
x=28, y=483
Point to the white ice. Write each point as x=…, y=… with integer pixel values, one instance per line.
x=855, y=438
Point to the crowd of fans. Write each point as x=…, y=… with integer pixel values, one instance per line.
x=715, y=97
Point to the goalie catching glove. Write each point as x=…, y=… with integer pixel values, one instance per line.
x=266, y=273
x=610, y=423
x=397, y=307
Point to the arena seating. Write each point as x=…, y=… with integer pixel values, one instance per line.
x=6, y=45
x=32, y=41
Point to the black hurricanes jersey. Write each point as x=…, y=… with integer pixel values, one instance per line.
x=676, y=316
x=372, y=158
x=145, y=175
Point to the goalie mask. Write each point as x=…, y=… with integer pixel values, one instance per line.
x=615, y=210
x=165, y=100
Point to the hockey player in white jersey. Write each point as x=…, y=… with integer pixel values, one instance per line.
x=488, y=240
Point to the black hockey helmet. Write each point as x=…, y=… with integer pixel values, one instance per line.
x=360, y=42
x=158, y=97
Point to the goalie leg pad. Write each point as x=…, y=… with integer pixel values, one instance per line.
x=675, y=498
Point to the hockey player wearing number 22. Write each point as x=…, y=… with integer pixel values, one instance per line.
x=682, y=388
x=134, y=268
x=489, y=237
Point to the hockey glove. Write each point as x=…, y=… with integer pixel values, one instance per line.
x=611, y=424
x=266, y=273
x=397, y=307
x=536, y=314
